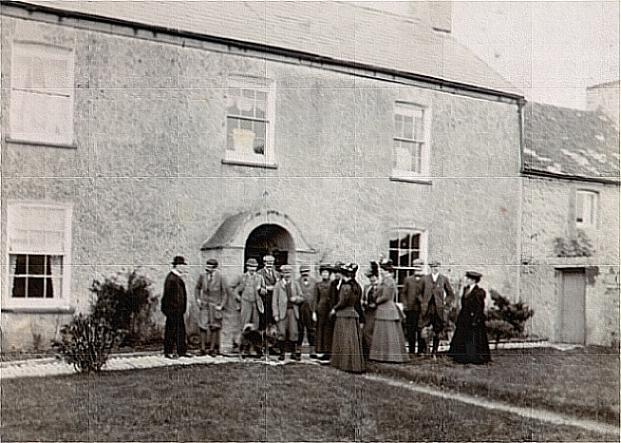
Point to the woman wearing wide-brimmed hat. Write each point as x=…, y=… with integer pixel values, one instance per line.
x=369, y=305
x=347, y=340
x=323, y=305
x=388, y=343
x=469, y=343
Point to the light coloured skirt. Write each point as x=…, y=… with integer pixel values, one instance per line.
x=388, y=343
x=347, y=344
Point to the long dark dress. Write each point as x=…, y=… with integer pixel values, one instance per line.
x=347, y=339
x=369, y=314
x=469, y=343
x=325, y=324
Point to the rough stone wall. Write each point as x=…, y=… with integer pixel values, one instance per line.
x=548, y=213
x=147, y=181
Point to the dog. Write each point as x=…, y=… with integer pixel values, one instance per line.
x=427, y=334
x=251, y=341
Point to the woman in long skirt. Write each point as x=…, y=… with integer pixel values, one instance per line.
x=323, y=303
x=347, y=340
x=388, y=343
x=469, y=343
x=369, y=306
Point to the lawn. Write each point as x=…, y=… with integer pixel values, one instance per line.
x=249, y=402
x=581, y=382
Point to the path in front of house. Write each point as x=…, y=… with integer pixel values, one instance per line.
x=50, y=367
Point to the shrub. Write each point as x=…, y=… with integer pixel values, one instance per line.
x=126, y=303
x=580, y=246
x=86, y=342
x=506, y=320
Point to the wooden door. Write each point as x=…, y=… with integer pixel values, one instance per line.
x=573, y=306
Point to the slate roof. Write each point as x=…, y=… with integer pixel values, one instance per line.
x=570, y=142
x=338, y=30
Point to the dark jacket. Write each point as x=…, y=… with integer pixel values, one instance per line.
x=349, y=297
x=412, y=292
x=174, y=299
x=441, y=291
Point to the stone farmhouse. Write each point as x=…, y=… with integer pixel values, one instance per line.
x=570, y=212
x=136, y=131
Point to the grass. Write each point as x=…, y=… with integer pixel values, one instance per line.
x=249, y=402
x=581, y=382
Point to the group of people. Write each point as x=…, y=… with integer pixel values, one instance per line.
x=344, y=323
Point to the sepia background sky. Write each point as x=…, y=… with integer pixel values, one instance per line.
x=550, y=50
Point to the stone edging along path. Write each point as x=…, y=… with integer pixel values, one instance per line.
x=531, y=413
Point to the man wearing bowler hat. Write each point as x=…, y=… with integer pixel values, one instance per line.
x=174, y=304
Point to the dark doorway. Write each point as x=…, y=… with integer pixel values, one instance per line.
x=270, y=239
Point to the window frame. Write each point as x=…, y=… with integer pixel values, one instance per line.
x=256, y=83
x=60, y=301
x=399, y=232
x=42, y=50
x=410, y=108
x=594, y=209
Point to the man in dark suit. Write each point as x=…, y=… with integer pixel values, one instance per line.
x=437, y=299
x=174, y=301
x=411, y=297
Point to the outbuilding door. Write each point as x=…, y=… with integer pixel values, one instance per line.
x=573, y=313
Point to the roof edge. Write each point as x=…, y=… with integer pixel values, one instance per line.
x=281, y=51
x=547, y=174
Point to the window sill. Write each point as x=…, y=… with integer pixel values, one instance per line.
x=39, y=310
x=249, y=163
x=419, y=180
x=18, y=141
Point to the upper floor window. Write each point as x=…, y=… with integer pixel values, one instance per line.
x=249, y=120
x=42, y=91
x=405, y=246
x=411, y=140
x=39, y=243
x=586, y=208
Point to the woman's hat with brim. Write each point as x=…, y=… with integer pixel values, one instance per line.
x=338, y=266
x=386, y=265
x=325, y=267
x=179, y=260
x=252, y=263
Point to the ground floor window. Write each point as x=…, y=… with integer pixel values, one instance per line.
x=39, y=246
x=405, y=246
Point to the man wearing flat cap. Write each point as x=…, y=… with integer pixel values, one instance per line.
x=307, y=324
x=285, y=306
x=174, y=305
x=251, y=303
x=212, y=294
x=435, y=303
